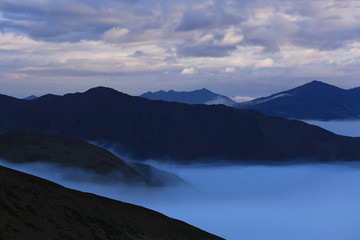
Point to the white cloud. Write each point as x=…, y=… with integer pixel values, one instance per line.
x=188, y=71
x=241, y=98
x=115, y=34
x=268, y=62
x=232, y=36
x=229, y=69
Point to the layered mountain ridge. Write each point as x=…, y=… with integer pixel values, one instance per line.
x=171, y=131
x=200, y=96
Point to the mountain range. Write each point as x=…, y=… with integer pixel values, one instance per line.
x=313, y=101
x=200, y=96
x=33, y=208
x=171, y=131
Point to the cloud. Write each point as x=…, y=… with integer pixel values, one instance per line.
x=204, y=50
x=115, y=34
x=188, y=71
x=209, y=16
x=138, y=53
x=52, y=43
x=268, y=62
x=229, y=69
x=241, y=98
x=219, y=44
x=288, y=202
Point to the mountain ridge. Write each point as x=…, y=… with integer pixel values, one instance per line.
x=198, y=96
x=312, y=101
x=146, y=129
x=19, y=147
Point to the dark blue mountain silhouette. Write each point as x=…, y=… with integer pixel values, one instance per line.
x=201, y=96
x=103, y=166
x=31, y=97
x=314, y=100
x=163, y=130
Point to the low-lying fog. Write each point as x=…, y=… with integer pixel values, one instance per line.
x=347, y=127
x=313, y=201
x=297, y=202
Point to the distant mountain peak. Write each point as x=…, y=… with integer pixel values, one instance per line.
x=101, y=89
x=316, y=83
x=203, y=90
x=313, y=100
x=198, y=96
x=103, y=92
x=31, y=97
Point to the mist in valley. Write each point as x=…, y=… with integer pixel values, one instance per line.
x=342, y=127
x=298, y=201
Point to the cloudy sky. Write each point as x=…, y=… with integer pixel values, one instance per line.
x=236, y=47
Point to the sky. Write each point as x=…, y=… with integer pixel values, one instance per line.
x=239, y=48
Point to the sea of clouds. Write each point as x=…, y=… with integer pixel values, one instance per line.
x=298, y=201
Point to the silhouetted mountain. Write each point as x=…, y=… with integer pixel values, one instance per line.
x=314, y=100
x=146, y=129
x=27, y=147
x=201, y=96
x=30, y=97
x=33, y=208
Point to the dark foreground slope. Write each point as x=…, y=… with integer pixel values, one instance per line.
x=314, y=100
x=200, y=96
x=27, y=147
x=33, y=208
x=167, y=130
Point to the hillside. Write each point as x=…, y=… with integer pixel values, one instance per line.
x=29, y=147
x=32, y=208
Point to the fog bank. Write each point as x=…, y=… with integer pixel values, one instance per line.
x=312, y=201
x=288, y=202
x=347, y=128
